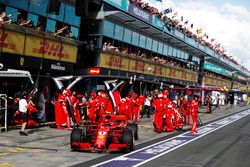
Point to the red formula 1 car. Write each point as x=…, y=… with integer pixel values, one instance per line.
x=111, y=133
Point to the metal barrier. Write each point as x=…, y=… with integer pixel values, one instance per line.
x=3, y=112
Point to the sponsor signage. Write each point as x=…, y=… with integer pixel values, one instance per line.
x=120, y=4
x=50, y=49
x=217, y=82
x=140, y=14
x=114, y=62
x=11, y=42
x=158, y=23
x=214, y=68
x=110, y=61
x=179, y=34
x=201, y=47
x=151, y=152
x=21, y=44
x=58, y=66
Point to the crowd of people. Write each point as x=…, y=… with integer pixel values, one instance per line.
x=171, y=110
x=168, y=114
x=190, y=31
x=138, y=54
x=6, y=19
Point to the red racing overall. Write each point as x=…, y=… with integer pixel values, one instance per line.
x=194, y=114
x=160, y=106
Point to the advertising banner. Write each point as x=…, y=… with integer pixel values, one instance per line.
x=12, y=42
x=137, y=66
x=120, y=4
x=49, y=49
x=214, y=68
x=158, y=23
x=140, y=14
x=178, y=34
x=114, y=62
x=159, y=71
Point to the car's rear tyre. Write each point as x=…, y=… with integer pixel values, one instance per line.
x=134, y=128
x=127, y=138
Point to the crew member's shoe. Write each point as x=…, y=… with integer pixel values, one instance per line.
x=70, y=128
x=60, y=127
x=23, y=133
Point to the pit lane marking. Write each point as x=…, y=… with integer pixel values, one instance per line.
x=20, y=150
x=149, y=153
x=7, y=164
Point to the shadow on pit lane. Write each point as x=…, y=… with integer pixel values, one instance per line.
x=35, y=130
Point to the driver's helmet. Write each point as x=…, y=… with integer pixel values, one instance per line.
x=160, y=95
x=93, y=94
x=165, y=94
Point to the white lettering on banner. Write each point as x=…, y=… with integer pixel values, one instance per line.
x=159, y=23
x=178, y=34
x=223, y=122
x=118, y=2
x=205, y=130
x=127, y=159
x=165, y=146
x=141, y=13
x=57, y=67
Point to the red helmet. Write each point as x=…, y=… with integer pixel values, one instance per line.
x=93, y=94
x=135, y=95
x=160, y=95
x=67, y=92
x=165, y=94
x=129, y=94
x=79, y=95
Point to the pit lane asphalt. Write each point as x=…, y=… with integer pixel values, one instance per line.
x=50, y=147
x=226, y=147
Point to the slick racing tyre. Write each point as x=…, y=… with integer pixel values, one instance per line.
x=127, y=138
x=134, y=128
x=76, y=137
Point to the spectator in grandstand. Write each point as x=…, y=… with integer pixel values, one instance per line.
x=125, y=50
x=23, y=22
x=39, y=26
x=68, y=34
x=104, y=46
x=133, y=54
x=4, y=19
x=143, y=55
x=117, y=49
x=62, y=31
x=162, y=61
x=155, y=59
x=110, y=47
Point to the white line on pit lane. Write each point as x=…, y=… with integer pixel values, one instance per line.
x=204, y=130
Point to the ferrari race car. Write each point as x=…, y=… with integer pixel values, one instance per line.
x=111, y=133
